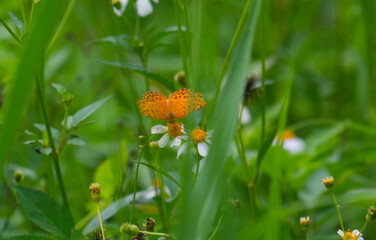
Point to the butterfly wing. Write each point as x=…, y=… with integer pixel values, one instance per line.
x=184, y=101
x=154, y=105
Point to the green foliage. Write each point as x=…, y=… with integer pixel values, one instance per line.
x=45, y=212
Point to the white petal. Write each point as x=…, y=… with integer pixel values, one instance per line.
x=360, y=238
x=356, y=232
x=209, y=133
x=156, y=1
x=203, y=148
x=144, y=8
x=207, y=140
x=294, y=145
x=182, y=149
x=123, y=5
x=340, y=232
x=176, y=142
x=158, y=129
x=163, y=141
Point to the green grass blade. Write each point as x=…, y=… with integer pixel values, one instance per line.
x=22, y=83
x=197, y=222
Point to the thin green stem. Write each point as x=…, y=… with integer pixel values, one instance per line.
x=62, y=23
x=137, y=21
x=10, y=31
x=33, y=3
x=198, y=164
x=100, y=221
x=262, y=104
x=307, y=234
x=135, y=183
x=339, y=213
x=216, y=228
x=161, y=194
x=182, y=43
x=361, y=230
x=64, y=130
x=156, y=234
x=54, y=155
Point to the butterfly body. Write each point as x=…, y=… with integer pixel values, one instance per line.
x=181, y=103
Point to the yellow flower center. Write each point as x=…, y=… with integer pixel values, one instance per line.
x=198, y=135
x=349, y=235
x=175, y=129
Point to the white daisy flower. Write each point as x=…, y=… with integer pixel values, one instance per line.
x=201, y=138
x=291, y=143
x=144, y=7
x=173, y=130
x=348, y=235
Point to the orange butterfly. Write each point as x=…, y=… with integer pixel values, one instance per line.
x=181, y=103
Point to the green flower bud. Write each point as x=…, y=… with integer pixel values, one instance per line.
x=95, y=191
x=129, y=229
x=17, y=177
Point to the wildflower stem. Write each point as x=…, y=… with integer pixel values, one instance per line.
x=156, y=234
x=161, y=193
x=100, y=221
x=361, y=230
x=10, y=31
x=307, y=233
x=262, y=104
x=64, y=129
x=339, y=213
x=198, y=164
x=182, y=43
x=135, y=184
x=54, y=154
x=216, y=228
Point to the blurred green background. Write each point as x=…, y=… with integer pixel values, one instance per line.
x=329, y=44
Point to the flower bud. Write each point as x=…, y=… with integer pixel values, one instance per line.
x=328, y=182
x=17, y=177
x=180, y=77
x=153, y=144
x=371, y=215
x=149, y=224
x=95, y=191
x=129, y=229
x=305, y=222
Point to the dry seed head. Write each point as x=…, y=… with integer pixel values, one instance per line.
x=149, y=224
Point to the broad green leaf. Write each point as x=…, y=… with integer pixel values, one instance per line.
x=62, y=90
x=42, y=128
x=120, y=40
x=144, y=71
x=18, y=23
x=75, y=140
x=28, y=237
x=104, y=175
x=199, y=212
x=45, y=212
x=86, y=112
x=76, y=235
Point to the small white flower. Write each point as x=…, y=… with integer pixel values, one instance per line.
x=201, y=138
x=173, y=130
x=348, y=235
x=291, y=143
x=144, y=7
